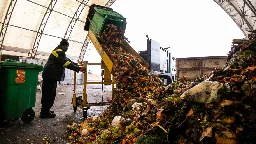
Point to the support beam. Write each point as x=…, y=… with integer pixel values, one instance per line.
x=75, y=18
x=6, y=22
x=87, y=40
x=47, y=14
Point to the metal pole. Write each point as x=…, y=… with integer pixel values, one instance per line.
x=74, y=94
x=85, y=84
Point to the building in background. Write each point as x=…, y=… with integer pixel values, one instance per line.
x=193, y=67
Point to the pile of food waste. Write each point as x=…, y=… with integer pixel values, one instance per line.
x=220, y=109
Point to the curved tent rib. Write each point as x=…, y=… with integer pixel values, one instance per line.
x=75, y=17
x=32, y=52
x=243, y=13
x=27, y=25
x=6, y=20
x=36, y=26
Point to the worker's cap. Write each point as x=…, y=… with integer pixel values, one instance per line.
x=64, y=42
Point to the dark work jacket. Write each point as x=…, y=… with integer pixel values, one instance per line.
x=57, y=62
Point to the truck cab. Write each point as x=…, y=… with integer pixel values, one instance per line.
x=159, y=60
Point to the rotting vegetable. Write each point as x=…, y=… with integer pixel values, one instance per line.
x=151, y=113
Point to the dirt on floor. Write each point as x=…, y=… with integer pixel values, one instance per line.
x=17, y=132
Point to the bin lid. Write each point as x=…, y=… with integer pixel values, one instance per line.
x=105, y=12
x=11, y=63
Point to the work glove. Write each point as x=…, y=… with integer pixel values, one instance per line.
x=82, y=69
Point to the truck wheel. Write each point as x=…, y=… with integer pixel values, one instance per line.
x=28, y=115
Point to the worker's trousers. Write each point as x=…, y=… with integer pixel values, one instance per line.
x=49, y=87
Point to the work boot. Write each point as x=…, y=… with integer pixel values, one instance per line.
x=47, y=115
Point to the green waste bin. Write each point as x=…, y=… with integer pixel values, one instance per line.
x=100, y=16
x=18, y=86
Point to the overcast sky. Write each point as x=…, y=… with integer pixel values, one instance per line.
x=191, y=28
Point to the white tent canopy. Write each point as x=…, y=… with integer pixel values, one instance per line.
x=37, y=26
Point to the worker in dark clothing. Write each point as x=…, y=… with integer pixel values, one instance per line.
x=54, y=71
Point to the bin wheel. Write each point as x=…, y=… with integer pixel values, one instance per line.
x=74, y=108
x=28, y=115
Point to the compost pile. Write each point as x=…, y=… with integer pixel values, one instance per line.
x=218, y=110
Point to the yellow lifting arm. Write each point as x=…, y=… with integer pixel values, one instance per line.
x=105, y=57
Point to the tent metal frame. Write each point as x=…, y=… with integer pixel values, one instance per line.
x=6, y=22
x=237, y=9
x=239, y=13
x=47, y=14
x=75, y=18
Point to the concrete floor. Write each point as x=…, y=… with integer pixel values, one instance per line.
x=33, y=133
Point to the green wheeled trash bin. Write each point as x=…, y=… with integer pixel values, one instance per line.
x=18, y=86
